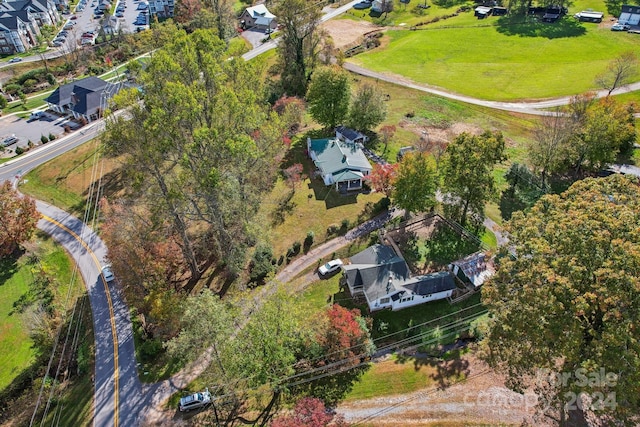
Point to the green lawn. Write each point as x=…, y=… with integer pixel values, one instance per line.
x=501, y=60
x=16, y=349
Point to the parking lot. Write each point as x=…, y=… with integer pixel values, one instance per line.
x=32, y=130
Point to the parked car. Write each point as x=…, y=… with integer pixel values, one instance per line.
x=120, y=14
x=107, y=273
x=618, y=26
x=330, y=267
x=142, y=6
x=195, y=401
x=9, y=140
x=14, y=60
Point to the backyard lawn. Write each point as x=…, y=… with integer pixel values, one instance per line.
x=501, y=59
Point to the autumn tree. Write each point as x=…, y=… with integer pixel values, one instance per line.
x=618, y=73
x=566, y=308
x=382, y=178
x=292, y=110
x=294, y=175
x=345, y=337
x=328, y=96
x=467, y=174
x=387, y=132
x=368, y=108
x=415, y=183
x=309, y=412
x=200, y=150
x=299, y=45
x=186, y=10
x=146, y=257
x=19, y=219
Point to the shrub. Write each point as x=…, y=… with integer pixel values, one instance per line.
x=19, y=150
x=332, y=229
x=44, y=139
x=51, y=137
x=150, y=349
x=67, y=128
x=12, y=88
x=51, y=79
x=261, y=264
x=29, y=144
x=29, y=83
x=344, y=225
x=294, y=249
x=308, y=241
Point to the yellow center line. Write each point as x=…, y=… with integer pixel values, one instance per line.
x=114, y=334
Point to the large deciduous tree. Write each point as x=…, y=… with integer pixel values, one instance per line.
x=299, y=45
x=18, y=219
x=200, y=150
x=328, y=96
x=368, y=108
x=467, y=174
x=606, y=129
x=415, y=183
x=567, y=306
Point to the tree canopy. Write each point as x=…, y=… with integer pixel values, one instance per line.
x=328, y=96
x=299, y=45
x=199, y=147
x=19, y=218
x=569, y=302
x=467, y=174
x=368, y=108
x=414, y=186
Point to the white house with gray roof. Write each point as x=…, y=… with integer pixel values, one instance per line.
x=384, y=279
x=340, y=163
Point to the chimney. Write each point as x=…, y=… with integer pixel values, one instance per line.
x=344, y=158
x=389, y=283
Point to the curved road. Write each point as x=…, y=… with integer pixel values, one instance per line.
x=117, y=389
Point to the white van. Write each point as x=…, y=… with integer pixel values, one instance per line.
x=36, y=115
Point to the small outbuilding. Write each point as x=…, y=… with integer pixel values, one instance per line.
x=483, y=11
x=346, y=134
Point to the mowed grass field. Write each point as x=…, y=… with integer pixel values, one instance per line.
x=500, y=59
x=16, y=276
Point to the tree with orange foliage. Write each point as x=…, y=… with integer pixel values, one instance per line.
x=19, y=219
x=382, y=177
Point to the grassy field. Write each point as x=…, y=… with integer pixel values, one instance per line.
x=494, y=58
x=16, y=279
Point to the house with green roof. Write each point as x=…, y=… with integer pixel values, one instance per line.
x=340, y=163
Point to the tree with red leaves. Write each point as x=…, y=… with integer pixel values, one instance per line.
x=346, y=337
x=294, y=175
x=19, y=219
x=387, y=132
x=309, y=412
x=382, y=177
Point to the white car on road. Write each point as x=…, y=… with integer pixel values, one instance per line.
x=195, y=401
x=107, y=273
x=330, y=267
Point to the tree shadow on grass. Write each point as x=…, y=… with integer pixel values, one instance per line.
x=446, y=371
x=8, y=267
x=531, y=26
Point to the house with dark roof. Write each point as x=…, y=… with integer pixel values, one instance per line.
x=86, y=98
x=384, y=279
x=346, y=134
x=339, y=163
x=258, y=17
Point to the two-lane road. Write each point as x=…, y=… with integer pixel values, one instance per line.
x=118, y=392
